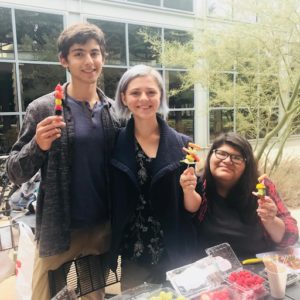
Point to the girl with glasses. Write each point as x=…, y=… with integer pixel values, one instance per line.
x=230, y=212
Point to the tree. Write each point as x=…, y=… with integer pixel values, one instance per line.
x=260, y=49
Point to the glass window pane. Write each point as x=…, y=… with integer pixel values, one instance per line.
x=181, y=36
x=6, y=34
x=149, y=2
x=8, y=84
x=178, y=36
x=37, y=35
x=109, y=79
x=220, y=9
x=221, y=90
x=39, y=80
x=183, y=99
x=140, y=52
x=186, y=5
x=268, y=119
x=220, y=121
x=182, y=122
x=115, y=41
x=9, y=131
x=246, y=122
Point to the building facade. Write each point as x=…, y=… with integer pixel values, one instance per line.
x=29, y=66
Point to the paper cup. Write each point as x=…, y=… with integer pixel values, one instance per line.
x=277, y=283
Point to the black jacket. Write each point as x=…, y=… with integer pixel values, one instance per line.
x=26, y=158
x=165, y=193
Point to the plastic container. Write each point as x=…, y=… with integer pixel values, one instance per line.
x=167, y=290
x=227, y=262
x=212, y=274
x=215, y=294
x=141, y=292
x=191, y=280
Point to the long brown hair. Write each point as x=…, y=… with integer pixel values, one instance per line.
x=240, y=196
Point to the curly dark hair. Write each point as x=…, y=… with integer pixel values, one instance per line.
x=240, y=196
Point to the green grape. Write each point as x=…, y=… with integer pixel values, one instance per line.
x=162, y=295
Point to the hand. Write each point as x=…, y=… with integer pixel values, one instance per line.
x=188, y=180
x=48, y=130
x=267, y=210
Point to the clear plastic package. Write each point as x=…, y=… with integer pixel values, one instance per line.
x=191, y=280
x=141, y=292
x=169, y=294
x=228, y=263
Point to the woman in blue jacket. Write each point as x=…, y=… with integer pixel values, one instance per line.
x=153, y=193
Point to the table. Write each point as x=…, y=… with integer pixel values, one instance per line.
x=292, y=292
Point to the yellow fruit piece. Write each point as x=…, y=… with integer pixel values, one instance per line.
x=190, y=158
x=58, y=102
x=169, y=294
x=162, y=295
x=159, y=298
x=181, y=298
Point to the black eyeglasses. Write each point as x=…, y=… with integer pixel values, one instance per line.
x=236, y=159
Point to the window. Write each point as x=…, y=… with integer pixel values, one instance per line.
x=139, y=51
x=183, y=99
x=6, y=34
x=148, y=2
x=9, y=131
x=109, y=79
x=37, y=35
x=185, y=5
x=220, y=121
x=115, y=41
x=182, y=5
x=179, y=36
x=38, y=80
x=8, y=95
x=182, y=121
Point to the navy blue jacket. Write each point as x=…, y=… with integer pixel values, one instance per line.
x=165, y=193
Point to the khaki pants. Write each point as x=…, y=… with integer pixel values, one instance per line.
x=84, y=242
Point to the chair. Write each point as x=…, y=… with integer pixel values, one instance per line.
x=85, y=275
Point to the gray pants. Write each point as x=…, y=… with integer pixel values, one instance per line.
x=134, y=273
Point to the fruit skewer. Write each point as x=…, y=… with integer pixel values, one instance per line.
x=58, y=97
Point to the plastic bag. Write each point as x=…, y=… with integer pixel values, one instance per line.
x=7, y=264
x=67, y=293
x=24, y=264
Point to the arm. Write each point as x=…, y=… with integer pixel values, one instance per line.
x=188, y=182
x=30, y=151
x=276, y=219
